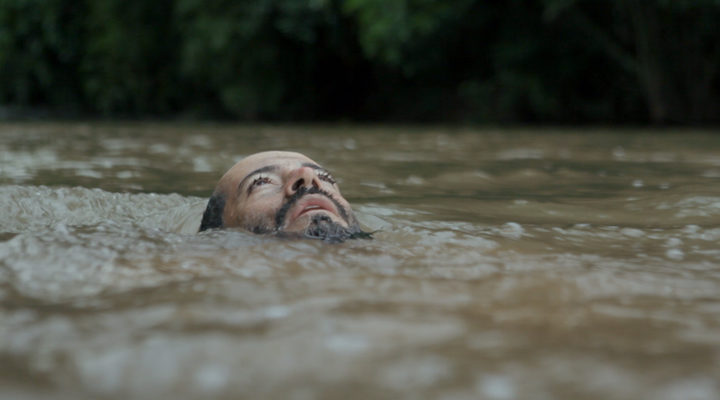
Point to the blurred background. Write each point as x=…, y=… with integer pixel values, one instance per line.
x=542, y=179
x=463, y=61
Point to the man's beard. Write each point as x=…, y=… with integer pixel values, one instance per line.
x=321, y=226
x=324, y=228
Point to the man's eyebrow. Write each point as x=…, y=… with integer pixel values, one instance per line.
x=313, y=166
x=271, y=168
x=267, y=168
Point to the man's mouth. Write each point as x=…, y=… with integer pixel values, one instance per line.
x=309, y=202
x=312, y=203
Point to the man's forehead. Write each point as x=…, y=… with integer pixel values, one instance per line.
x=264, y=162
x=268, y=161
x=278, y=158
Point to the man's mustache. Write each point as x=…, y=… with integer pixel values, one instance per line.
x=304, y=191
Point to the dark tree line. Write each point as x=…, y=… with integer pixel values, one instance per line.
x=547, y=61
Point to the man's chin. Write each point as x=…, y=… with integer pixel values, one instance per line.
x=305, y=221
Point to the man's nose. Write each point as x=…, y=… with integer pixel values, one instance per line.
x=301, y=177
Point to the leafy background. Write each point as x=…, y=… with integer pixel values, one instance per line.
x=517, y=61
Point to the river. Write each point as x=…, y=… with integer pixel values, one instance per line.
x=505, y=264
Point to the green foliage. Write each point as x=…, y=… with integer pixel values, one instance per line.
x=40, y=44
x=129, y=62
x=417, y=60
x=234, y=51
x=261, y=59
x=386, y=28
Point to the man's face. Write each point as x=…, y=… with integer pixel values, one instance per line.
x=285, y=193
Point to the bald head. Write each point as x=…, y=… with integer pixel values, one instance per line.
x=280, y=192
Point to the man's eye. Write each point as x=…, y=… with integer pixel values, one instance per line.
x=325, y=176
x=259, y=181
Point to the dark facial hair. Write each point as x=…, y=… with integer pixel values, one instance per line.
x=321, y=226
x=282, y=212
x=324, y=228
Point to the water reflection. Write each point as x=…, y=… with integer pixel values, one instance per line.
x=505, y=265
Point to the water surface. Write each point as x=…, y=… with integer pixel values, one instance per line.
x=543, y=264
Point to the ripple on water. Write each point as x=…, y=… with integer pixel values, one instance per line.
x=521, y=269
x=33, y=208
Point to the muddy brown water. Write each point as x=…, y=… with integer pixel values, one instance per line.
x=507, y=264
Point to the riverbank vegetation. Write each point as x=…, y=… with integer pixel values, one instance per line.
x=542, y=61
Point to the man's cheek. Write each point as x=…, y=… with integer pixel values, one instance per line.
x=258, y=222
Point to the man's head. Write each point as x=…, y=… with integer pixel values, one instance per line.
x=281, y=193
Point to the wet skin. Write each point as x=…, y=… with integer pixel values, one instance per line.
x=283, y=193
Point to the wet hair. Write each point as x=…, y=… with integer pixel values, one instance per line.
x=213, y=215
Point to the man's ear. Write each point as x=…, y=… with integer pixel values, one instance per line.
x=213, y=215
